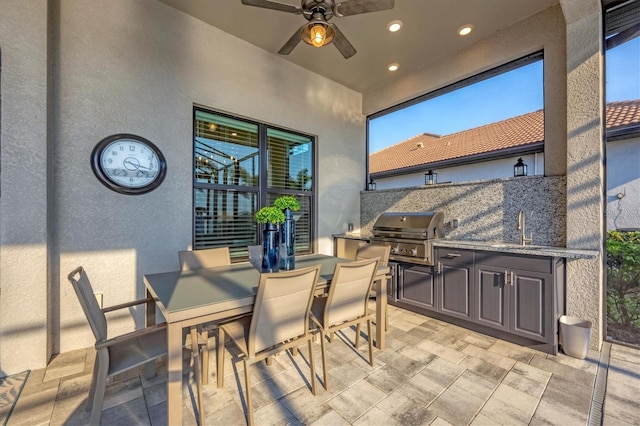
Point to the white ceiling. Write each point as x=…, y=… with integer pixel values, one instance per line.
x=428, y=33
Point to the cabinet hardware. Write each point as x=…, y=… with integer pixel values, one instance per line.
x=452, y=255
x=439, y=270
x=511, y=281
x=506, y=277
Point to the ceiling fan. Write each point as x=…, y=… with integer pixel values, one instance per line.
x=318, y=31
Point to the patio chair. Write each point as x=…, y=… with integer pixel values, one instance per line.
x=120, y=353
x=198, y=259
x=280, y=321
x=370, y=251
x=206, y=258
x=346, y=304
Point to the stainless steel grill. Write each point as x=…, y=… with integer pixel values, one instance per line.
x=410, y=235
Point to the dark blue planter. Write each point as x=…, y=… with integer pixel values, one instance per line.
x=270, y=248
x=288, y=242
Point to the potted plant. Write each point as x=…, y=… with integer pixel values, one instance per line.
x=288, y=204
x=271, y=216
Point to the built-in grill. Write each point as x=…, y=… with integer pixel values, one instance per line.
x=410, y=235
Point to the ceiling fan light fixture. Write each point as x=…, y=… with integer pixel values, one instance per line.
x=393, y=67
x=317, y=34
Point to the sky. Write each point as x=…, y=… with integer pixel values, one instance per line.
x=508, y=95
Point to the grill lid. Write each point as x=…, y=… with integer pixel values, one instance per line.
x=411, y=225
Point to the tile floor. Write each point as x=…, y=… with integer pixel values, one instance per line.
x=432, y=373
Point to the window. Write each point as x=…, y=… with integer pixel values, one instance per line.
x=475, y=129
x=241, y=166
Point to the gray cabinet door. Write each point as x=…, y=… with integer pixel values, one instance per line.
x=531, y=304
x=455, y=290
x=417, y=286
x=492, y=297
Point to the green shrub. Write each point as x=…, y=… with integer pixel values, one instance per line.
x=623, y=286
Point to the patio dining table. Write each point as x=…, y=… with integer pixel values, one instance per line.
x=187, y=298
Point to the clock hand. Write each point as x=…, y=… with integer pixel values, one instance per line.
x=137, y=166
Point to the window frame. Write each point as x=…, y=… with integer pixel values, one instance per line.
x=473, y=159
x=262, y=191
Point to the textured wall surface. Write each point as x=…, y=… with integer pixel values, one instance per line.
x=23, y=186
x=135, y=66
x=139, y=66
x=486, y=210
x=623, y=184
x=585, y=158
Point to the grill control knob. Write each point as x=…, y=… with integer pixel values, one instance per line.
x=394, y=250
x=414, y=252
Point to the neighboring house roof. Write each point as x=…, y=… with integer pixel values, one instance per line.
x=517, y=134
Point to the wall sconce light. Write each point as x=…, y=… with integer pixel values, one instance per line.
x=520, y=169
x=430, y=178
x=371, y=186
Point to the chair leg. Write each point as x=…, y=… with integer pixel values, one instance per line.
x=357, y=335
x=195, y=356
x=313, y=367
x=370, y=339
x=220, y=357
x=248, y=386
x=92, y=389
x=100, y=386
x=205, y=357
x=325, y=376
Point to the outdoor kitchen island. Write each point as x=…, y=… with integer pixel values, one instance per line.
x=509, y=291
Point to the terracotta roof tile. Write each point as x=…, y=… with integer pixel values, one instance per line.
x=513, y=132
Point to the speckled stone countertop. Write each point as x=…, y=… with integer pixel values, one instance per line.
x=533, y=250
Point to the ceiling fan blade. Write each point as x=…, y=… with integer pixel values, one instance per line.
x=291, y=43
x=272, y=5
x=356, y=7
x=342, y=44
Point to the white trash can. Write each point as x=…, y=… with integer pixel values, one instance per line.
x=575, y=336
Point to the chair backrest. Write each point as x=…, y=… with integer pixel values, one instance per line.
x=349, y=291
x=370, y=251
x=92, y=311
x=282, y=306
x=255, y=256
x=207, y=258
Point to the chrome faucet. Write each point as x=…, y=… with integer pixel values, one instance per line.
x=523, y=239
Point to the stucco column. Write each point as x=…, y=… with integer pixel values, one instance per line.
x=23, y=197
x=585, y=154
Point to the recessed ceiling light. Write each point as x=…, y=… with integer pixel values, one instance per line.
x=465, y=29
x=394, y=26
x=393, y=67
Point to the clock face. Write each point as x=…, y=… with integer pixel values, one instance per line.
x=128, y=164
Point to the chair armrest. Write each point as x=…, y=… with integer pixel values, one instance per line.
x=132, y=335
x=127, y=305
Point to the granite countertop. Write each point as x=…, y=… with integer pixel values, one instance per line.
x=533, y=250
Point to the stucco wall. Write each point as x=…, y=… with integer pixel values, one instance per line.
x=494, y=169
x=623, y=184
x=23, y=185
x=137, y=66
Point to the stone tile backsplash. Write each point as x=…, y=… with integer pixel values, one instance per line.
x=486, y=210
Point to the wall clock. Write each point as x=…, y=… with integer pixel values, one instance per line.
x=128, y=164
